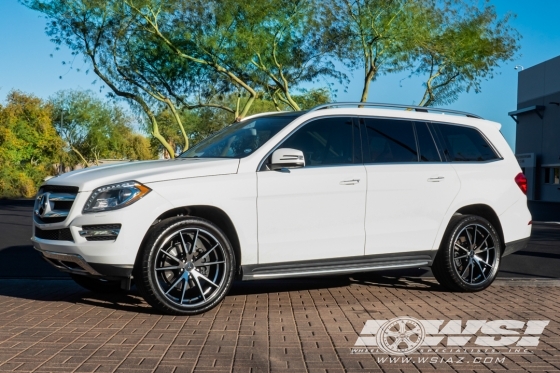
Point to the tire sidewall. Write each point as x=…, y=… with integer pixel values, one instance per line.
x=165, y=230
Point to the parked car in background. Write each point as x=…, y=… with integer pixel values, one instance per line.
x=341, y=188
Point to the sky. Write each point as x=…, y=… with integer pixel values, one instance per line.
x=26, y=63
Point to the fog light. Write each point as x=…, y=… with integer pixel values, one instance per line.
x=106, y=232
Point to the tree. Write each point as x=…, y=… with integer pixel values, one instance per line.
x=203, y=122
x=29, y=145
x=93, y=129
x=459, y=46
x=190, y=55
x=374, y=35
x=455, y=44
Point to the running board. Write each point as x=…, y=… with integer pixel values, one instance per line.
x=333, y=267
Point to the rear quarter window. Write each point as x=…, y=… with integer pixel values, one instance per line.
x=465, y=144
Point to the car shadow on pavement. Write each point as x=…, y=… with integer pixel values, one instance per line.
x=408, y=282
x=65, y=290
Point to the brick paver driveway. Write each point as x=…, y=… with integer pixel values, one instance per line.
x=308, y=325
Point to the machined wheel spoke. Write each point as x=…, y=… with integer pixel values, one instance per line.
x=185, y=247
x=193, y=248
x=176, y=283
x=199, y=287
x=168, y=268
x=472, y=272
x=484, y=250
x=198, y=261
x=170, y=256
x=198, y=275
x=474, y=238
x=484, y=262
x=481, y=270
x=483, y=242
x=460, y=247
x=208, y=263
x=466, y=269
x=469, y=236
x=461, y=257
x=184, y=289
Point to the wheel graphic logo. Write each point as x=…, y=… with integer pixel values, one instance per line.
x=400, y=336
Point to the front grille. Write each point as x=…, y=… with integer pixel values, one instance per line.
x=59, y=189
x=54, y=234
x=53, y=203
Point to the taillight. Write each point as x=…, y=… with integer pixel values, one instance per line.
x=521, y=182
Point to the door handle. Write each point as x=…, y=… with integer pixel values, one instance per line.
x=436, y=179
x=350, y=182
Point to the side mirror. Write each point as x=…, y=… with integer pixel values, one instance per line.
x=287, y=158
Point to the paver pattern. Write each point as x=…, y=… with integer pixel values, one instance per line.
x=307, y=325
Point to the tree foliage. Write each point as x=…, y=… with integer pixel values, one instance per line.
x=458, y=46
x=189, y=65
x=29, y=145
x=93, y=129
x=182, y=55
x=453, y=44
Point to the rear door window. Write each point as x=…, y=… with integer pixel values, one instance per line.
x=426, y=144
x=389, y=141
x=465, y=144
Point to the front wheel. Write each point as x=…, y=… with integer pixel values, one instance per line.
x=469, y=256
x=186, y=266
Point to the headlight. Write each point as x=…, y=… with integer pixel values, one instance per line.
x=115, y=196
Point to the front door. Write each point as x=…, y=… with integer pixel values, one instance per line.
x=317, y=211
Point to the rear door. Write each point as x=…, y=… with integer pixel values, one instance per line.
x=409, y=186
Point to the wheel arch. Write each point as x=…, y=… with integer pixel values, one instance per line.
x=486, y=212
x=212, y=214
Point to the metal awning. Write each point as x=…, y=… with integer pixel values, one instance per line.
x=529, y=109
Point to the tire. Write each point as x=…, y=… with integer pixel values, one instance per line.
x=201, y=266
x=469, y=256
x=97, y=285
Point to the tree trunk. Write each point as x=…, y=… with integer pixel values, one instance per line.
x=367, y=81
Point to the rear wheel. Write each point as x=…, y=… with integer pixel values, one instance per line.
x=97, y=285
x=469, y=256
x=186, y=266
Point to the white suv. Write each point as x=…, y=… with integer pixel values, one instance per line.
x=336, y=189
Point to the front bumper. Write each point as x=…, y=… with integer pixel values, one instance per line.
x=80, y=253
x=74, y=263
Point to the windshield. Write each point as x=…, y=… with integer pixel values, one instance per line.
x=239, y=139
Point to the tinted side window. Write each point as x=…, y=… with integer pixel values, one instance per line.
x=389, y=141
x=324, y=142
x=464, y=144
x=426, y=144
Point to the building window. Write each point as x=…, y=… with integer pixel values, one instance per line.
x=551, y=175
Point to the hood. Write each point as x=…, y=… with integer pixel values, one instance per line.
x=145, y=172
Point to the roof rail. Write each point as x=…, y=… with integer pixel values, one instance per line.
x=423, y=109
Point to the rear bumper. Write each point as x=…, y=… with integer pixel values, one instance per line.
x=517, y=245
